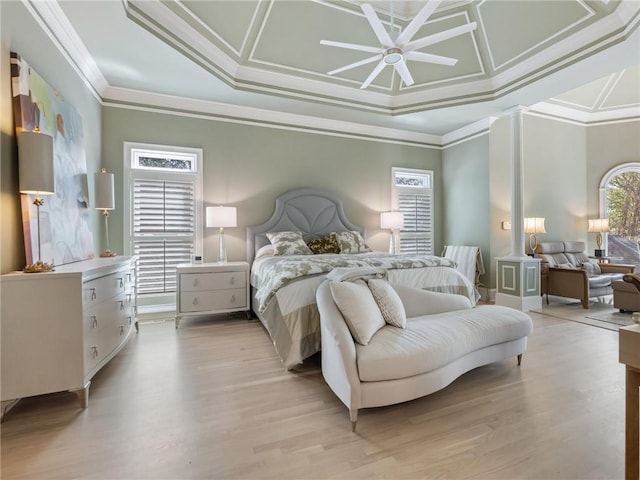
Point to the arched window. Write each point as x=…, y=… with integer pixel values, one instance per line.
x=620, y=203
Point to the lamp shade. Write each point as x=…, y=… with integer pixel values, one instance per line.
x=391, y=220
x=598, y=225
x=221, y=217
x=35, y=152
x=534, y=225
x=105, y=197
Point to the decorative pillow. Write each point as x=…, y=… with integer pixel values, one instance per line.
x=351, y=242
x=592, y=268
x=288, y=243
x=388, y=302
x=266, y=250
x=326, y=244
x=359, y=309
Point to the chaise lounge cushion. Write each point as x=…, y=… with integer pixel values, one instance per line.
x=432, y=341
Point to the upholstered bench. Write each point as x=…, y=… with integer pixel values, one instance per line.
x=444, y=337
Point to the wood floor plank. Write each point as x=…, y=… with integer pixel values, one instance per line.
x=212, y=400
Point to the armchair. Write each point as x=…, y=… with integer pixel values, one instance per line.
x=568, y=272
x=626, y=293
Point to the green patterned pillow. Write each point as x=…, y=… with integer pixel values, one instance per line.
x=326, y=244
x=351, y=242
x=288, y=243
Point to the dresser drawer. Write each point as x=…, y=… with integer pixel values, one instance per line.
x=214, y=300
x=193, y=282
x=99, y=289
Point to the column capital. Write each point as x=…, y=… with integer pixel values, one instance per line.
x=516, y=109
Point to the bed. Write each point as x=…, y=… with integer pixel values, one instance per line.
x=283, y=287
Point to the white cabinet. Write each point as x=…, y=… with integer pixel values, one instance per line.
x=59, y=328
x=209, y=288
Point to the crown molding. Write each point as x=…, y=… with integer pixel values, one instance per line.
x=560, y=112
x=135, y=99
x=58, y=28
x=468, y=132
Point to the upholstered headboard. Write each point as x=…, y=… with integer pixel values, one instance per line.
x=310, y=211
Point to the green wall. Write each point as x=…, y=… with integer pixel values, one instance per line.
x=465, y=176
x=21, y=34
x=249, y=166
x=555, y=170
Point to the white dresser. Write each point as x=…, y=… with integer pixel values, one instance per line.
x=59, y=328
x=208, y=288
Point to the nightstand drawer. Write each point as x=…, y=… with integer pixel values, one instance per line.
x=193, y=282
x=214, y=300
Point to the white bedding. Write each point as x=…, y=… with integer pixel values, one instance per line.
x=290, y=315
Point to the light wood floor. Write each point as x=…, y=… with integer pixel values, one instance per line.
x=211, y=400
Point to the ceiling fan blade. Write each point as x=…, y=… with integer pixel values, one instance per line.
x=372, y=76
x=378, y=28
x=417, y=22
x=403, y=71
x=354, y=65
x=440, y=36
x=430, y=58
x=351, y=46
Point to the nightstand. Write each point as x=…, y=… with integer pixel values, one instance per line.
x=210, y=288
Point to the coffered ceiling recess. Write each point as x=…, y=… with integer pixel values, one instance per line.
x=274, y=47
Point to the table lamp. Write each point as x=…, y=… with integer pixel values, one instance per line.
x=35, y=170
x=599, y=226
x=105, y=201
x=221, y=217
x=392, y=221
x=533, y=225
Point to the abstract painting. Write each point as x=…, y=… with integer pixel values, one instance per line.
x=65, y=233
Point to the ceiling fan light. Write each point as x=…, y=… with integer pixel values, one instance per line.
x=392, y=56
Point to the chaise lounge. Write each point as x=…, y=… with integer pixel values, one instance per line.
x=445, y=336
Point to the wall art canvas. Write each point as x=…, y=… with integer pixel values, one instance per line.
x=65, y=233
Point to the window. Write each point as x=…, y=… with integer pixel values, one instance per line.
x=163, y=213
x=412, y=194
x=620, y=203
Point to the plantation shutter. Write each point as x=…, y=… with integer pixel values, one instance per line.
x=415, y=237
x=163, y=231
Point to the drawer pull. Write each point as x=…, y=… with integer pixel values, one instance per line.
x=128, y=278
x=232, y=281
x=195, y=282
x=121, y=305
x=128, y=298
x=94, y=351
x=233, y=299
x=129, y=320
x=94, y=321
x=195, y=301
x=121, y=329
x=121, y=280
x=93, y=293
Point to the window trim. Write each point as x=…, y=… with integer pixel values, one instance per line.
x=131, y=173
x=396, y=190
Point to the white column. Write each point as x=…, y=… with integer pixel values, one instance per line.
x=517, y=182
x=518, y=275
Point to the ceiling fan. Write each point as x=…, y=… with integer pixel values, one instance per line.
x=397, y=51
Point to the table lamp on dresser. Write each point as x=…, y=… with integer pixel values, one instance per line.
x=35, y=170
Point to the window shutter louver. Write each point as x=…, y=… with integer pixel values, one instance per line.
x=163, y=231
x=413, y=196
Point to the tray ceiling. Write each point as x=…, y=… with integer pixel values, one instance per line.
x=268, y=54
